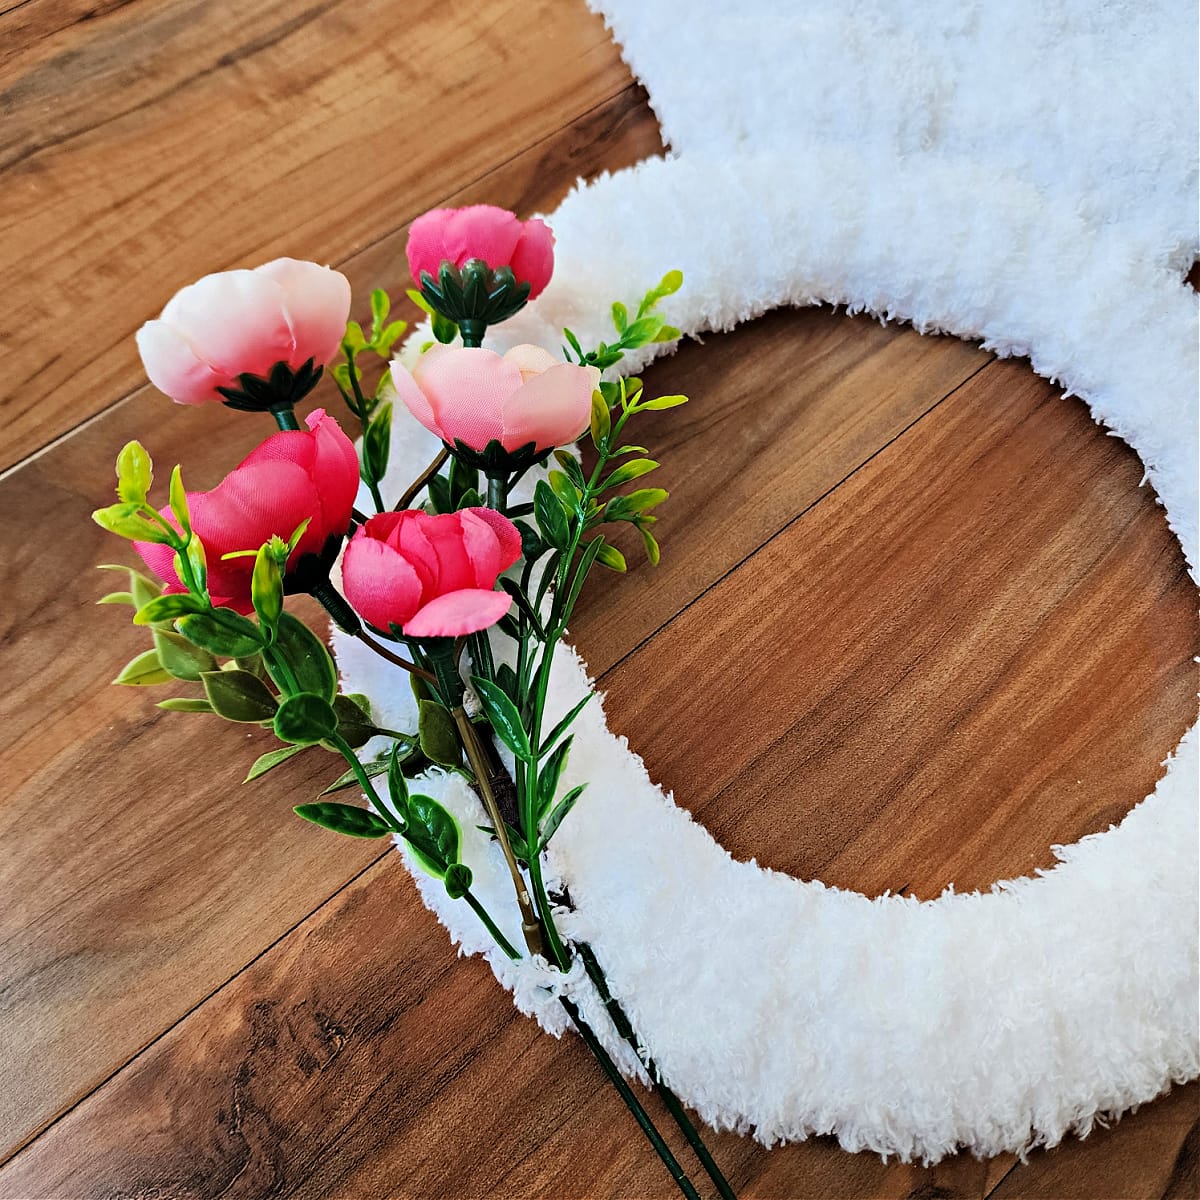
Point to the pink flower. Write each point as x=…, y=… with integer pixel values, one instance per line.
x=482, y=231
x=476, y=396
x=291, y=477
x=244, y=322
x=431, y=576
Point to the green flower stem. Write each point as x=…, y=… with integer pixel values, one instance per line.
x=285, y=417
x=631, y=1101
x=419, y=483
x=472, y=330
x=480, y=650
x=491, y=926
x=335, y=604
x=497, y=492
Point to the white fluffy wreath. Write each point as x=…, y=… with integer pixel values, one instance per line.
x=1019, y=173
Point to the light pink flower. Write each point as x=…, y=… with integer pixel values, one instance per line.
x=244, y=322
x=482, y=231
x=476, y=396
x=433, y=576
x=293, y=476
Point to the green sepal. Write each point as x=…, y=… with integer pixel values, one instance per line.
x=304, y=719
x=439, y=494
x=377, y=440
x=180, y=657
x=239, y=696
x=272, y=759
x=437, y=734
x=458, y=880
x=144, y=671
x=221, y=631
x=503, y=716
x=345, y=819
x=305, y=654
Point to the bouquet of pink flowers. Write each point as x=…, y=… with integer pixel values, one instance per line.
x=436, y=583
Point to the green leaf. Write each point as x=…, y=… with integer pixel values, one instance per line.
x=180, y=658
x=397, y=784
x=349, y=778
x=266, y=587
x=354, y=724
x=581, y=573
x=197, y=559
x=439, y=494
x=135, y=473
x=601, y=420
x=458, y=881
x=444, y=329
x=620, y=316
x=571, y=467
x=668, y=333
x=381, y=305
x=186, y=704
x=433, y=834
x=641, y=332
x=661, y=402
x=239, y=696
x=551, y=519
x=550, y=774
x=550, y=825
x=354, y=339
x=272, y=758
x=144, y=671
x=377, y=441
x=513, y=588
x=221, y=631
x=573, y=341
x=506, y=677
x=564, y=724
x=304, y=718
x=387, y=339
x=635, y=468
x=610, y=557
x=621, y=508
x=306, y=656
x=345, y=819
x=125, y=520
x=503, y=717
x=463, y=479
x=118, y=598
x=168, y=608
x=653, y=554
x=437, y=734
x=179, y=501
x=564, y=489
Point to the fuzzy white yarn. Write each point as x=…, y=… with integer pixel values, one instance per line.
x=1020, y=173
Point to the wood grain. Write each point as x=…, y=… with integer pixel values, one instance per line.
x=200, y=995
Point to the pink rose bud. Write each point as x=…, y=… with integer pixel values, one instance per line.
x=289, y=478
x=476, y=396
x=433, y=576
x=244, y=322
x=486, y=232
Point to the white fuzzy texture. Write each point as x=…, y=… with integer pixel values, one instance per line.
x=1023, y=174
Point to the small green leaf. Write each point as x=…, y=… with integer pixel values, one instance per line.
x=661, y=402
x=620, y=316
x=180, y=658
x=125, y=520
x=266, y=587
x=444, y=329
x=345, y=819
x=143, y=671
x=438, y=735
x=463, y=479
x=118, y=598
x=350, y=779
x=397, y=784
x=376, y=443
x=635, y=468
x=186, y=704
x=179, y=501
x=550, y=825
x=354, y=339
x=305, y=655
x=570, y=465
x=503, y=717
x=386, y=340
x=668, y=333
x=433, y=834
x=304, y=718
x=573, y=341
x=601, y=420
x=564, y=724
x=551, y=519
x=513, y=588
x=169, y=608
x=135, y=473
x=621, y=508
x=198, y=560
x=564, y=489
x=381, y=305
x=458, y=881
x=653, y=554
x=222, y=631
x=550, y=774
x=610, y=557
x=272, y=758
x=643, y=331
x=439, y=494
x=354, y=725
x=239, y=696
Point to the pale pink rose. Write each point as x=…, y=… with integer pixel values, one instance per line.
x=482, y=231
x=291, y=477
x=432, y=576
x=476, y=396
x=244, y=322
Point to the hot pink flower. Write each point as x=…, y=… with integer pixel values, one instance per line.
x=433, y=576
x=291, y=477
x=244, y=322
x=476, y=396
x=482, y=231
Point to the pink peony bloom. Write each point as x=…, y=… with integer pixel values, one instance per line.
x=482, y=231
x=476, y=396
x=433, y=576
x=244, y=322
x=291, y=477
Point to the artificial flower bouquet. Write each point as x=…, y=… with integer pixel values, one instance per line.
x=456, y=583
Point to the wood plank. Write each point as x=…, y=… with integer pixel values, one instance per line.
x=150, y=863
x=165, y=139
x=980, y=645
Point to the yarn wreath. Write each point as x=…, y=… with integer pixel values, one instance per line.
x=813, y=1009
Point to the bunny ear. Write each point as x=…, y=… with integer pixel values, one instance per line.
x=456, y=614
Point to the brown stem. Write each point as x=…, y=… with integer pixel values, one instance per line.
x=422, y=479
x=531, y=927
x=383, y=652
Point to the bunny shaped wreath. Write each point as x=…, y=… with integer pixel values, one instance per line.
x=1065, y=240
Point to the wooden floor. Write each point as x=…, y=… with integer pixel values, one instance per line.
x=967, y=632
